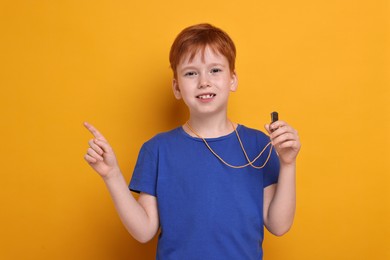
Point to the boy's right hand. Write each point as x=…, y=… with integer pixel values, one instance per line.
x=100, y=155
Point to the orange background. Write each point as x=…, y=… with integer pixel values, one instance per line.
x=323, y=65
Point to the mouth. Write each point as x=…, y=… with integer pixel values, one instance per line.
x=206, y=96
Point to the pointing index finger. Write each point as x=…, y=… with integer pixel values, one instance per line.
x=94, y=131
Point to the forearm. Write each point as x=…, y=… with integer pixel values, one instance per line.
x=132, y=214
x=282, y=207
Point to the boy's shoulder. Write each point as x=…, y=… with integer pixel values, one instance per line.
x=164, y=136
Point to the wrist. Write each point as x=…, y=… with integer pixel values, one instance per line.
x=112, y=174
x=288, y=165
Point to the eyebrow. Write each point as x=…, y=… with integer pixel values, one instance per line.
x=217, y=64
x=187, y=68
x=210, y=65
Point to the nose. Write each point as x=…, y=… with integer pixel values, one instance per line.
x=204, y=81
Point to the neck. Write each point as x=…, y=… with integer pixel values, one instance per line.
x=210, y=127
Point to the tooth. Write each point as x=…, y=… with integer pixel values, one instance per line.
x=206, y=96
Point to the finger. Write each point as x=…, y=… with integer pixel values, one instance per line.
x=289, y=144
x=283, y=138
x=94, y=131
x=267, y=128
x=103, y=145
x=287, y=135
x=94, y=146
x=275, y=125
x=90, y=159
x=91, y=152
x=281, y=130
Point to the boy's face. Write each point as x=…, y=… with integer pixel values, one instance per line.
x=205, y=82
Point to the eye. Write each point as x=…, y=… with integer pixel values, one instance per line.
x=190, y=74
x=215, y=70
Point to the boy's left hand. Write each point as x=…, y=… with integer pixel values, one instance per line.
x=285, y=140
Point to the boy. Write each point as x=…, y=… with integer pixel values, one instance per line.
x=200, y=183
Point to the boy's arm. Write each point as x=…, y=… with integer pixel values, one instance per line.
x=279, y=199
x=139, y=217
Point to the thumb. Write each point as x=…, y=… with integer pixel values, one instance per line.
x=266, y=126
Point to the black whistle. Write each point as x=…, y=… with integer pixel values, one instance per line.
x=274, y=118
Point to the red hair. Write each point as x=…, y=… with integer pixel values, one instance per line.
x=196, y=38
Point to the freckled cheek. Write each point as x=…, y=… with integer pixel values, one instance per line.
x=187, y=84
x=221, y=83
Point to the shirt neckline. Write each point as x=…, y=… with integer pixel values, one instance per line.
x=213, y=139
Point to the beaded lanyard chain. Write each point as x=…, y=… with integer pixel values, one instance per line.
x=242, y=147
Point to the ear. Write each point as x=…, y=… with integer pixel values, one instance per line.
x=176, y=89
x=234, y=82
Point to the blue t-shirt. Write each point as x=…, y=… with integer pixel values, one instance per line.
x=207, y=210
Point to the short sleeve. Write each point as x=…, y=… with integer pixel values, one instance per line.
x=271, y=170
x=144, y=177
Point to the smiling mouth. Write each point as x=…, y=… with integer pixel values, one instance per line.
x=206, y=96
